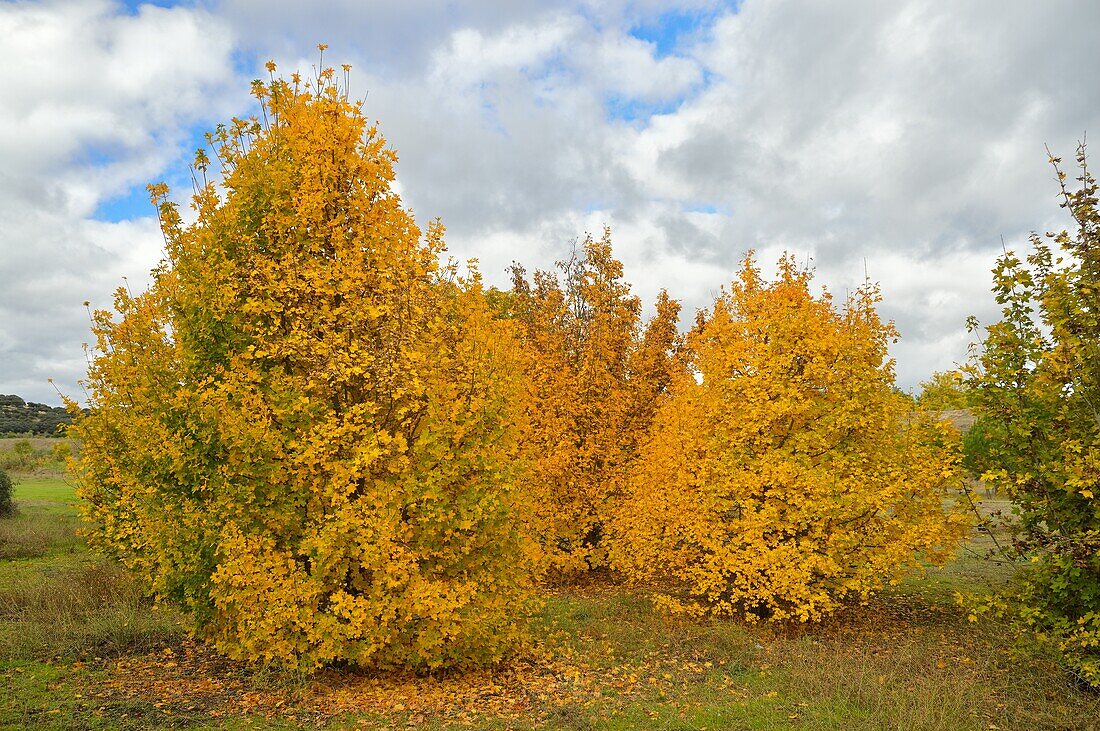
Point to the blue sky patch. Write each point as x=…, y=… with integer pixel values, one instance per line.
x=710, y=208
x=667, y=30
x=133, y=7
x=629, y=109
x=246, y=62
x=134, y=203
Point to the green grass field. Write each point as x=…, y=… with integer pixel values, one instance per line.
x=46, y=493
x=46, y=522
x=81, y=648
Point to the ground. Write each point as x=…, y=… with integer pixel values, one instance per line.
x=81, y=648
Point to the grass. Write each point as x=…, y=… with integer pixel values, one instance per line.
x=81, y=648
x=77, y=609
x=909, y=660
x=38, y=444
x=56, y=599
x=35, y=455
x=46, y=494
x=45, y=522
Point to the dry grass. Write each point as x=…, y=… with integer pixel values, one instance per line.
x=79, y=608
x=38, y=444
x=32, y=534
x=41, y=456
x=57, y=600
x=908, y=660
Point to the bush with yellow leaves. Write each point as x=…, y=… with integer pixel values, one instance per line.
x=783, y=474
x=593, y=375
x=303, y=432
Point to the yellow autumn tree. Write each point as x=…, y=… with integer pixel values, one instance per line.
x=593, y=375
x=783, y=474
x=653, y=362
x=303, y=432
x=944, y=391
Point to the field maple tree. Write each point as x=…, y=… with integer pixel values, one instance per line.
x=1035, y=380
x=944, y=391
x=303, y=432
x=784, y=474
x=593, y=375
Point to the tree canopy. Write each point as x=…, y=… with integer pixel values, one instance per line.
x=784, y=474
x=1035, y=377
x=27, y=417
x=303, y=433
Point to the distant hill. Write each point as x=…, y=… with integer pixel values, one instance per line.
x=26, y=417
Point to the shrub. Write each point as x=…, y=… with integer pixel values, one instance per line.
x=593, y=374
x=7, y=503
x=783, y=474
x=1036, y=381
x=976, y=447
x=944, y=391
x=302, y=433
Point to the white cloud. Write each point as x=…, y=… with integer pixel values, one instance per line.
x=472, y=58
x=906, y=134
x=95, y=101
x=81, y=81
x=624, y=65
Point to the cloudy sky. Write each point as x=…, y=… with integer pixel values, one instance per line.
x=905, y=137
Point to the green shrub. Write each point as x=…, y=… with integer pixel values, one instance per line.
x=7, y=506
x=976, y=443
x=1036, y=384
